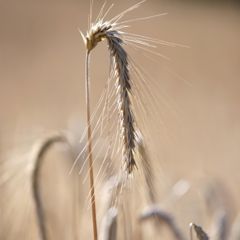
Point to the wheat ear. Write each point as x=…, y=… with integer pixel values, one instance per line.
x=200, y=233
x=120, y=63
x=119, y=57
x=99, y=31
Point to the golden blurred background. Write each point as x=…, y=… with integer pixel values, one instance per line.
x=196, y=134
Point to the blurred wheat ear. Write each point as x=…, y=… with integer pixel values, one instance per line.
x=109, y=225
x=200, y=233
x=38, y=152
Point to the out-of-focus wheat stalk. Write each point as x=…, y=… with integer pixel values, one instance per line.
x=164, y=217
x=109, y=225
x=38, y=152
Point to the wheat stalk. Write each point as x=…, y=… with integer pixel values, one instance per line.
x=90, y=159
x=163, y=216
x=38, y=152
x=109, y=225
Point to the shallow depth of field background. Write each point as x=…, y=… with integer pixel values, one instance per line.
x=42, y=82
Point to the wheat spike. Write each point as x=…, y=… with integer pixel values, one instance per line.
x=97, y=33
x=200, y=233
x=110, y=30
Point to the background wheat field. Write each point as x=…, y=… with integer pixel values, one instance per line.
x=193, y=133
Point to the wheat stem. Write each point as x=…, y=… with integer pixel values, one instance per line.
x=89, y=140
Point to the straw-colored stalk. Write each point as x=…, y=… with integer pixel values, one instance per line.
x=89, y=144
